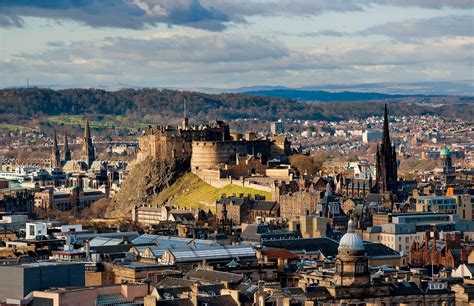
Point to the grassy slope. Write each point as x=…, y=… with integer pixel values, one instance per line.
x=190, y=191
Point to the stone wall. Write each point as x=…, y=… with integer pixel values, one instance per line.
x=209, y=154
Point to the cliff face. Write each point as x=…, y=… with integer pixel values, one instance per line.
x=146, y=180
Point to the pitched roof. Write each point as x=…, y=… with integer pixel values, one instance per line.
x=218, y=300
x=278, y=253
x=326, y=246
x=264, y=206
x=214, y=276
x=377, y=249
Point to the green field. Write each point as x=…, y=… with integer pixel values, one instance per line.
x=191, y=191
x=13, y=127
x=107, y=122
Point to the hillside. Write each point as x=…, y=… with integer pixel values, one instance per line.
x=325, y=96
x=164, y=106
x=145, y=181
x=190, y=191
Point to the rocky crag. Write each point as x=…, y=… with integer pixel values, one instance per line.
x=146, y=180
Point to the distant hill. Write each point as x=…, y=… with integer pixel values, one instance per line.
x=325, y=96
x=163, y=106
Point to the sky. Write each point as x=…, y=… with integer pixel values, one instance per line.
x=233, y=43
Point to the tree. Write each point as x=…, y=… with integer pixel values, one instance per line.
x=306, y=164
x=97, y=209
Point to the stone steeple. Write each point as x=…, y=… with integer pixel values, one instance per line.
x=88, y=152
x=55, y=154
x=386, y=180
x=66, y=151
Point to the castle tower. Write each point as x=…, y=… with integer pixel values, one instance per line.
x=67, y=151
x=386, y=180
x=185, y=122
x=55, y=155
x=88, y=152
x=352, y=265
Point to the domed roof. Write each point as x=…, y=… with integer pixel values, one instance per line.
x=351, y=241
x=445, y=152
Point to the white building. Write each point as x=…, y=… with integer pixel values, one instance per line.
x=371, y=136
x=36, y=229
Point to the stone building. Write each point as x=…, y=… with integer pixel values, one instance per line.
x=439, y=249
x=67, y=199
x=300, y=203
x=244, y=209
x=16, y=200
x=168, y=142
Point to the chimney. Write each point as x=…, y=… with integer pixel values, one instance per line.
x=87, y=249
x=194, y=293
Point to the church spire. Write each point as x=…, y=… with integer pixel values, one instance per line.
x=386, y=134
x=55, y=155
x=88, y=152
x=67, y=151
x=386, y=159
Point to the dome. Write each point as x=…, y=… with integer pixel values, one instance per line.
x=445, y=152
x=351, y=241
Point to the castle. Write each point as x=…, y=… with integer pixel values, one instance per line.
x=212, y=147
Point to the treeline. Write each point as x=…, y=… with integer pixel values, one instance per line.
x=153, y=105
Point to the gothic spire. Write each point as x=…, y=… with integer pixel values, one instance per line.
x=67, y=151
x=55, y=155
x=88, y=151
x=386, y=135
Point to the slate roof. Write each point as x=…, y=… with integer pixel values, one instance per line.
x=214, y=276
x=258, y=232
x=377, y=249
x=175, y=302
x=233, y=200
x=317, y=293
x=326, y=246
x=405, y=288
x=218, y=300
x=174, y=282
x=264, y=206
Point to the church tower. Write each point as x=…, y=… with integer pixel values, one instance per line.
x=55, y=155
x=67, y=151
x=88, y=152
x=386, y=179
x=352, y=264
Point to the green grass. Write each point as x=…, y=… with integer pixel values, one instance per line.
x=108, y=122
x=13, y=127
x=191, y=191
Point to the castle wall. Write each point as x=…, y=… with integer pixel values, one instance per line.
x=209, y=154
x=163, y=147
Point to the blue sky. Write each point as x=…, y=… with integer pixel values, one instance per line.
x=232, y=43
